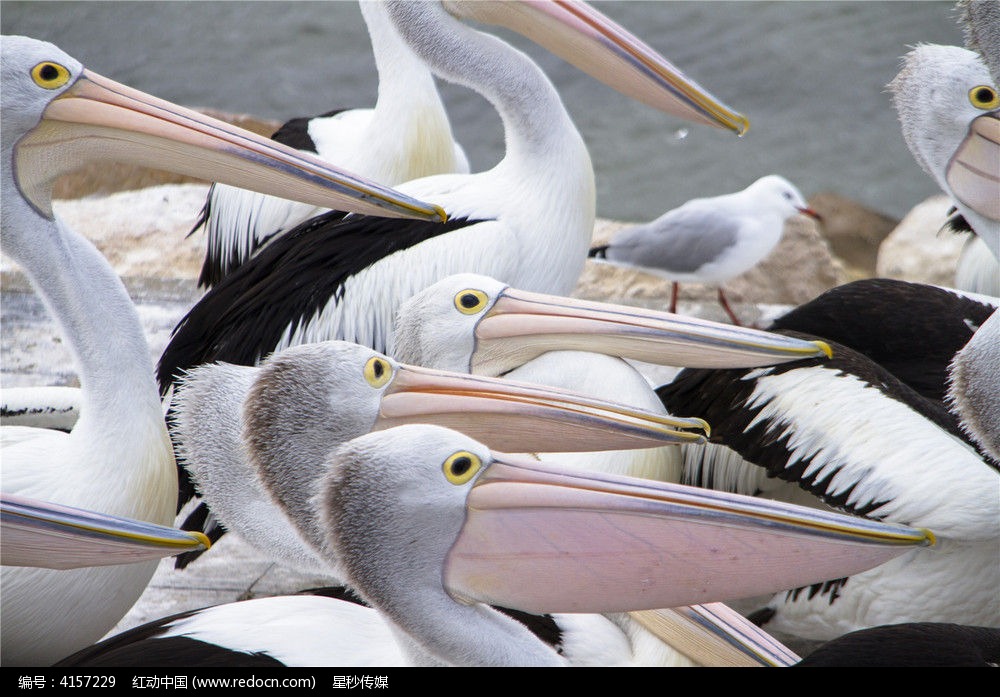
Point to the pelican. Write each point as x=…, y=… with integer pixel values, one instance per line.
x=528, y=220
x=949, y=110
x=972, y=390
x=474, y=324
x=710, y=240
x=913, y=330
x=230, y=420
x=405, y=136
x=919, y=466
x=430, y=528
x=117, y=459
x=47, y=535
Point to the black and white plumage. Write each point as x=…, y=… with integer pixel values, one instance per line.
x=949, y=110
x=888, y=453
x=710, y=240
x=117, y=458
x=535, y=206
x=913, y=330
x=515, y=533
x=476, y=324
x=405, y=136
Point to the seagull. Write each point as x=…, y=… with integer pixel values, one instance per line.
x=405, y=136
x=891, y=454
x=117, y=459
x=431, y=529
x=709, y=240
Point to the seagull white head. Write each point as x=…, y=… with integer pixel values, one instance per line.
x=781, y=195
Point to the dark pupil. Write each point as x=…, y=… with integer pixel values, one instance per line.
x=378, y=369
x=461, y=466
x=984, y=95
x=469, y=301
x=49, y=72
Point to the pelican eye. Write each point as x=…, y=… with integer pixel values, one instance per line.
x=50, y=75
x=984, y=97
x=470, y=301
x=377, y=371
x=461, y=467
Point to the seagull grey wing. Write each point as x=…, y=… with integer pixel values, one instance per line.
x=682, y=241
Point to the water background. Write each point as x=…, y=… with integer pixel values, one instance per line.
x=810, y=76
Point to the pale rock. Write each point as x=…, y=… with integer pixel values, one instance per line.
x=797, y=270
x=919, y=250
x=853, y=231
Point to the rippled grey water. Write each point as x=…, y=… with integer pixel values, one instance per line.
x=810, y=75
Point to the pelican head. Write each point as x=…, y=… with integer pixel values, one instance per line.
x=486, y=527
x=949, y=109
x=591, y=41
x=58, y=115
x=474, y=323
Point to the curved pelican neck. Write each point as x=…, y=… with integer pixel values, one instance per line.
x=402, y=76
x=408, y=106
x=95, y=312
x=535, y=121
x=390, y=524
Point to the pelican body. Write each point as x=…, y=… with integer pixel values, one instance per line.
x=117, y=459
x=405, y=136
x=429, y=525
x=855, y=437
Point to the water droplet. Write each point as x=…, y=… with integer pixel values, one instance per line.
x=681, y=133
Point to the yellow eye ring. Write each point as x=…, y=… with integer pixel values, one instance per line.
x=460, y=467
x=49, y=75
x=378, y=371
x=984, y=97
x=470, y=301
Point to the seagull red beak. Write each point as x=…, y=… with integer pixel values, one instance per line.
x=811, y=213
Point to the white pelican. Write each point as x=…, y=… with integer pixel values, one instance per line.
x=283, y=415
x=949, y=110
x=973, y=390
x=47, y=535
x=710, y=240
x=117, y=459
x=889, y=454
x=500, y=530
x=476, y=324
x=230, y=420
x=528, y=220
x=405, y=136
